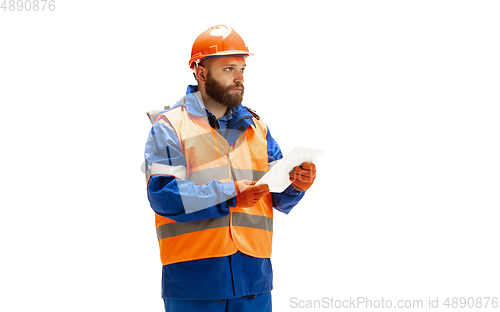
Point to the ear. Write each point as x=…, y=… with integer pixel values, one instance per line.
x=201, y=73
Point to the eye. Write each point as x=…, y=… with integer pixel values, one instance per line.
x=243, y=69
x=228, y=69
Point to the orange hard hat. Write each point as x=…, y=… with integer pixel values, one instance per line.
x=220, y=40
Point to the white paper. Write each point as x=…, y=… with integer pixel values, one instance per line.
x=278, y=178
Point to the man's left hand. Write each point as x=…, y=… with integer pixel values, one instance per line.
x=303, y=177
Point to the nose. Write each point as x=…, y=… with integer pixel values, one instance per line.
x=238, y=77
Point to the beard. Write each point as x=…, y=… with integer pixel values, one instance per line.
x=221, y=94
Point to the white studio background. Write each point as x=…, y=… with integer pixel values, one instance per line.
x=402, y=95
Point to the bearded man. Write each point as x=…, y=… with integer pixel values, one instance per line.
x=203, y=157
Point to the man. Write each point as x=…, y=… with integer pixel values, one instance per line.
x=202, y=157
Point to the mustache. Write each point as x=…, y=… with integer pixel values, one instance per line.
x=238, y=85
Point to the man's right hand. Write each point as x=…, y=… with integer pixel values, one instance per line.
x=247, y=195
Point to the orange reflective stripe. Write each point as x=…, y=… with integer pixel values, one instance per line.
x=180, y=228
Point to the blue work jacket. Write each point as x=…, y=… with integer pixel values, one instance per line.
x=220, y=277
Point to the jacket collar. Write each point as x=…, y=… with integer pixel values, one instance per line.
x=240, y=121
x=194, y=105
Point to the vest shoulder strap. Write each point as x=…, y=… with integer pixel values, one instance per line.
x=172, y=116
x=252, y=112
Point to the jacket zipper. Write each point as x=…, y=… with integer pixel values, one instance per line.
x=232, y=128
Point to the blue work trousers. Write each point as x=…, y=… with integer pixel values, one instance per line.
x=260, y=303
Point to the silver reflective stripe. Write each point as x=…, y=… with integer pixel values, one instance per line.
x=252, y=221
x=176, y=171
x=272, y=164
x=179, y=228
x=207, y=175
x=248, y=174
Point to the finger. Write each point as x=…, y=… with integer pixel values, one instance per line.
x=310, y=172
x=260, y=188
x=303, y=172
x=294, y=177
x=297, y=180
x=257, y=198
x=241, y=186
x=308, y=166
x=302, y=185
x=300, y=177
x=262, y=192
x=298, y=188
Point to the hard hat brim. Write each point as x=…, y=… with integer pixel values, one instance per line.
x=219, y=54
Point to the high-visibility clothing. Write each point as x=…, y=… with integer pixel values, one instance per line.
x=171, y=195
x=209, y=157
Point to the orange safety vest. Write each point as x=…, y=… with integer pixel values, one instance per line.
x=210, y=157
